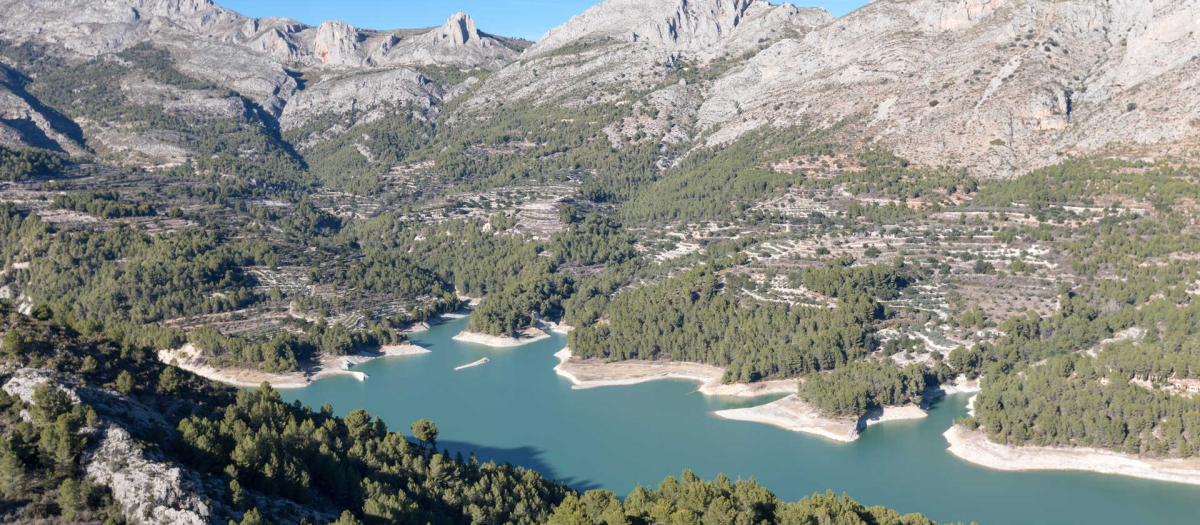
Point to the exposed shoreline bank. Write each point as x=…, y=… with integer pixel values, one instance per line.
x=190, y=359
x=974, y=447
x=790, y=412
x=524, y=337
x=793, y=413
x=594, y=373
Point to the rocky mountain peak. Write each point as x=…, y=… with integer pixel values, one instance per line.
x=459, y=30
x=457, y=42
x=689, y=26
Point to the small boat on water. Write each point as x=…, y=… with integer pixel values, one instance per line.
x=476, y=363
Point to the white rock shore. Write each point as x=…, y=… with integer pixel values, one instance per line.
x=792, y=413
x=189, y=358
x=524, y=337
x=976, y=448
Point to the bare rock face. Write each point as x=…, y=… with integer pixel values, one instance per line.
x=91, y=28
x=259, y=59
x=996, y=86
x=206, y=40
x=622, y=45
x=253, y=75
x=999, y=85
x=459, y=30
x=25, y=381
x=362, y=92
x=688, y=26
x=24, y=122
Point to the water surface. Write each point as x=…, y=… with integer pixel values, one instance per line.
x=516, y=409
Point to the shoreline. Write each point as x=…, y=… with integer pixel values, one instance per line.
x=593, y=373
x=789, y=413
x=794, y=414
x=526, y=336
x=961, y=385
x=974, y=447
x=436, y=320
x=188, y=358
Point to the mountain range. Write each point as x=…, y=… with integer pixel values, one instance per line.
x=994, y=86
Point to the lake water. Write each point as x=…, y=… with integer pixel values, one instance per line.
x=516, y=409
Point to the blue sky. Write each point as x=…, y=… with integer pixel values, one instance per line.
x=518, y=18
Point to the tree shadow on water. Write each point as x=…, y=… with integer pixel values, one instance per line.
x=524, y=456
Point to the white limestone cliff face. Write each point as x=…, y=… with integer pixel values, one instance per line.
x=337, y=44
x=997, y=86
x=253, y=53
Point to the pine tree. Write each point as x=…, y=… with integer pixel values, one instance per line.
x=70, y=499
x=125, y=382
x=12, y=474
x=169, y=381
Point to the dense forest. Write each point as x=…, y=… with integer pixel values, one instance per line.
x=857, y=387
x=1122, y=399
x=686, y=318
x=17, y=164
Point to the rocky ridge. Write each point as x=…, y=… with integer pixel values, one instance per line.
x=268, y=61
x=683, y=26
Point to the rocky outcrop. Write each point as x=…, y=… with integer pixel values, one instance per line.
x=148, y=484
x=149, y=491
x=257, y=58
x=23, y=382
x=995, y=86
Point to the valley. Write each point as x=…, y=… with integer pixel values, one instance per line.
x=821, y=226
